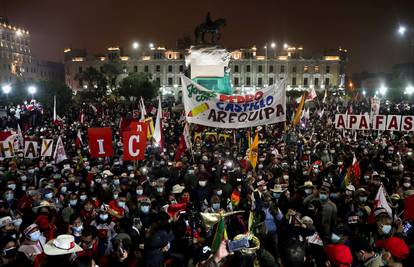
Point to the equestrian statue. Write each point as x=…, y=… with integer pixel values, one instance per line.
x=211, y=27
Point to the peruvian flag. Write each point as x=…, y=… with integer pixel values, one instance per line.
x=311, y=95
x=60, y=154
x=158, y=136
x=82, y=117
x=381, y=201
x=356, y=170
x=183, y=144
x=172, y=209
x=78, y=141
x=56, y=119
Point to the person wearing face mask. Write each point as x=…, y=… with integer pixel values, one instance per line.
x=9, y=256
x=383, y=223
x=365, y=253
x=201, y=192
x=155, y=248
x=145, y=213
x=104, y=224
x=118, y=207
x=328, y=214
x=33, y=244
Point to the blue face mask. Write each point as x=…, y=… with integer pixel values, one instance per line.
x=145, y=209
x=323, y=197
x=386, y=229
x=335, y=238
x=35, y=236
x=276, y=195
x=103, y=217
x=216, y=206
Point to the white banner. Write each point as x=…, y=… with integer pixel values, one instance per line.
x=209, y=108
x=379, y=122
x=47, y=148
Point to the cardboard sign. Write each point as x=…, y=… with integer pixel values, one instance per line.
x=100, y=142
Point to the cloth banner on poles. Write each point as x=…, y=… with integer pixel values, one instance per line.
x=60, y=154
x=209, y=108
x=100, y=142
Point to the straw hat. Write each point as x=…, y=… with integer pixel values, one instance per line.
x=43, y=204
x=177, y=189
x=63, y=244
x=277, y=188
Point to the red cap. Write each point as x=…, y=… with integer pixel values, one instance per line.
x=339, y=255
x=396, y=246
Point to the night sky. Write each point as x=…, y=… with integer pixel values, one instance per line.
x=367, y=28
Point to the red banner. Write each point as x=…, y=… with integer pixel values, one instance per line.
x=135, y=141
x=100, y=142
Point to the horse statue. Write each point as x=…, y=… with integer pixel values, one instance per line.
x=211, y=27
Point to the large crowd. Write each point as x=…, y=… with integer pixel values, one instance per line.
x=295, y=208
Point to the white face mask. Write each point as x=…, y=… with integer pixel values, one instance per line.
x=139, y=192
x=202, y=183
x=219, y=192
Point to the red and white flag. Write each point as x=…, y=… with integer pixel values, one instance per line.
x=184, y=143
x=311, y=95
x=381, y=201
x=20, y=136
x=78, y=141
x=142, y=109
x=158, y=126
x=93, y=108
x=60, y=154
x=325, y=96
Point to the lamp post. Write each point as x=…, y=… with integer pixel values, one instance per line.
x=402, y=31
x=383, y=90
x=32, y=90
x=409, y=90
x=6, y=90
x=135, y=45
x=151, y=45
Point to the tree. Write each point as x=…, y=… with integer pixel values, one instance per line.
x=138, y=85
x=111, y=70
x=95, y=82
x=48, y=89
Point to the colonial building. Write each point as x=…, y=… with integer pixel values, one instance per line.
x=16, y=60
x=250, y=68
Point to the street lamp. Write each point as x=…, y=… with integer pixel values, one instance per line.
x=135, y=45
x=401, y=30
x=383, y=90
x=32, y=90
x=273, y=45
x=285, y=46
x=151, y=45
x=6, y=89
x=364, y=92
x=409, y=90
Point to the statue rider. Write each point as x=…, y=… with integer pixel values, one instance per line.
x=208, y=19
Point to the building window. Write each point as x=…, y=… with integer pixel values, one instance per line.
x=328, y=69
x=271, y=69
x=294, y=69
x=271, y=81
x=282, y=69
x=293, y=81
x=236, y=81
x=135, y=68
x=260, y=68
x=146, y=68
x=316, y=69
x=158, y=81
x=158, y=68
x=247, y=68
x=80, y=69
x=179, y=82
x=181, y=68
x=316, y=82
x=326, y=81
x=305, y=69
x=236, y=68
x=170, y=81
x=248, y=81
x=170, y=68
x=305, y=82
x=260, y=81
